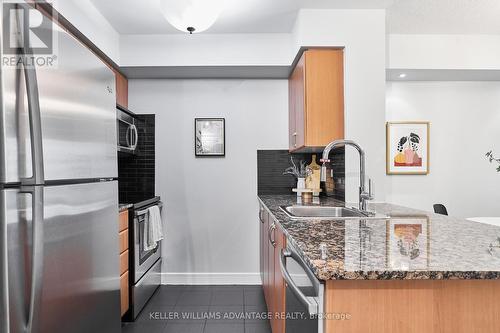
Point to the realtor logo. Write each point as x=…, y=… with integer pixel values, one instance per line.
x=28, y=36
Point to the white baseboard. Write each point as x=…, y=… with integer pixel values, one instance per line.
x=211, y=278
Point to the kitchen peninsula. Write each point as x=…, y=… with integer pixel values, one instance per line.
x=412, y=272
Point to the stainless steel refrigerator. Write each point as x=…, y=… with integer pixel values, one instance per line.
x=59, y=263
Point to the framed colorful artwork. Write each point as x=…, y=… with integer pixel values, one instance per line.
x=408, y=242
x=407, y=151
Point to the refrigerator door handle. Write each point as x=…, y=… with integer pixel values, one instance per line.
x=36, y=254
x=35, y=124
x=4, y=286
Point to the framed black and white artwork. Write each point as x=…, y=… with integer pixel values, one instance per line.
x=209, y=137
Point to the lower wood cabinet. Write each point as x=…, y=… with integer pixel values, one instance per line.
x=278, y=324
x=124, y=260
x=124, y=296
x=264, y=271
x=272, y=241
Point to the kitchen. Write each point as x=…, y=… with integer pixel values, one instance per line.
x=370, y=70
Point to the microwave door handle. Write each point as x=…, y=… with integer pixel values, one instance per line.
x=135, y=136
x=309, y=302
x=127, y=136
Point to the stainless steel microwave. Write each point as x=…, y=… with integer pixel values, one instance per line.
x=126, y=132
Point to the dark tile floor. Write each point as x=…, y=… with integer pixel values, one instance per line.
x=203, y=309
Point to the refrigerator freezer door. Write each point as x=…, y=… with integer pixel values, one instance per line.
x=78, y=117
x=78, y=114
x=79, y=272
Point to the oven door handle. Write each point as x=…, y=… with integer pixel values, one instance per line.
x=144, y=211
x=309, y=302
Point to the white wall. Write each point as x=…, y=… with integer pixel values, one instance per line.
x=86, y=18
x=362, y=32
x=206, y=50
x=465, y=122
x=211, y=203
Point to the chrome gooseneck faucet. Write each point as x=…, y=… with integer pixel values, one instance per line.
x=363, y=195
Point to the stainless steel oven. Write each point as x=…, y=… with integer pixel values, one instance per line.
x=304, y=294
x=146, y=274
x=126, y=132
x=143, y=260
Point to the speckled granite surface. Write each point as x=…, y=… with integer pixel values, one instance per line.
x=411, y=244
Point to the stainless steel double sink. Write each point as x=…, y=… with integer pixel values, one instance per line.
x=328, y=212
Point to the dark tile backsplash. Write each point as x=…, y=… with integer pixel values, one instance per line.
x=136, y=173
x=272, y=163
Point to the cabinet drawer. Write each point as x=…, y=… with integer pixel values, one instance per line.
x=123, y=221
x=124, y=293
x=123, y=237
x=123, y=262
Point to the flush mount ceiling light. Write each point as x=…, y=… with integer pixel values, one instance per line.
x=402, y=75
x=191, y=15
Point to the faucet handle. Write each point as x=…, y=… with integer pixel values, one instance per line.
x=370, y=189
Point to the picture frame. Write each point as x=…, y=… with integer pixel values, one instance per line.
x=210, y=137
x=408, y=242
x=407, y=148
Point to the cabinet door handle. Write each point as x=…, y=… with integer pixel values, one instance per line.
x=273, y=242
x=261, y=217
x=294, y=139
x=271, y=229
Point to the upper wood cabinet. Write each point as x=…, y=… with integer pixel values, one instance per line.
x=121, y=89
x=316, y=99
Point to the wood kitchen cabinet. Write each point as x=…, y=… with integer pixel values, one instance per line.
x=270, y=300
x=124, y=260
x=264, y=249
x=278, y=324
x=272, y=241
x=316, y=99
x=121, y=89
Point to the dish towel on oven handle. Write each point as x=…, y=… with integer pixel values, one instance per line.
x=153, y=232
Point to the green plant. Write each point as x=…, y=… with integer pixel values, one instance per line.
x=492, y=159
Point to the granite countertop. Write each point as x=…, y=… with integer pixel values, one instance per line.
x=123, y=207
x=411, y=244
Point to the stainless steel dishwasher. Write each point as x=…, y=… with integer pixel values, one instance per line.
x=304, y=294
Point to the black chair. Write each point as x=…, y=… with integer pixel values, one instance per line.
x=440, y=209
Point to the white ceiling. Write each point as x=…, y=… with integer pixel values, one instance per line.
x=275, y=16
x=239, y=16
x=444, y=17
